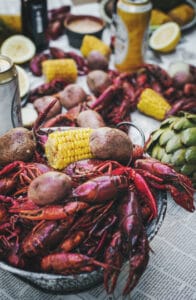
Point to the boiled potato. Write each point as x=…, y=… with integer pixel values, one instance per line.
x=112, y=144
x=17, y=144
x=49, y=187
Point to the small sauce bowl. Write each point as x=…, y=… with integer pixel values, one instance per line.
x=77, y=26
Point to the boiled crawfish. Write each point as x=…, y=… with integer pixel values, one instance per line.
x=118, y=100
x=19, y=174
x=99, y=224
x=164, y=177
x=44, y=236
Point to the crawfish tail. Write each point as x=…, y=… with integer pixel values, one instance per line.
x=45, y=236
x=65, y=262
x=72, y=241
x=35, y=241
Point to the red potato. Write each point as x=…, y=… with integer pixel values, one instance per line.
x=17, y=144
x=180, y=72
x=90, y=118
x=49, y=187
x=41, y=103
x=111, y=143
x=98, y=81
x=72, y=95
x=97, y=61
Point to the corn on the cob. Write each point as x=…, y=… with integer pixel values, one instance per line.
x=153, y=104
x=91, y=43
x=64, y=68
x=65, y=147
x=12, y=22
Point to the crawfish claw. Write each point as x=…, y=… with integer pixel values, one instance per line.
x=138, y=263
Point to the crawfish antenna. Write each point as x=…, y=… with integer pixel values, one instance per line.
x=41, y=139
x=41, y=118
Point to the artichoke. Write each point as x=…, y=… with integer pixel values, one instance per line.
x=175, y=143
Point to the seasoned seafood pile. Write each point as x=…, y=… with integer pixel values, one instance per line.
x=93, y=213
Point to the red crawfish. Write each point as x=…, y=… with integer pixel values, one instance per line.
x=56, y=18
x=72, y=240
x=52, y=212
x=35, y=64
x=10, y=234
x=20, y=174
x=113, y=256
x=79, y=60
x=49, y=88
x=130, y=221
x=137, y=263
x=69, y=263
x=3, y=213
x=164, y=177
x=45, y=236
x=129, y=242
x=7, y=185
x=90, y=230
x=82, y=170
x=133, y=178
x=135, y=242
x=100, y=189
x=117, y=179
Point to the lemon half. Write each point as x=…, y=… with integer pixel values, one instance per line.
x=18, y=48
x=23, y=81
x=166, y=37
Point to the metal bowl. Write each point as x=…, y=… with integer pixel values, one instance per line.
x=76, y=283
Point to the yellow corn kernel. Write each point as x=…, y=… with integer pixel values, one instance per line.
x=91, y=43
x=65, y=147
x=64, y=68
x=153, y=104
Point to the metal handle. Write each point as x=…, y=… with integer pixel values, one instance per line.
x=130, y=124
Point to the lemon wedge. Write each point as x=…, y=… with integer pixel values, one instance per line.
x=166, y=37
x=23, y=81
x=18, y=48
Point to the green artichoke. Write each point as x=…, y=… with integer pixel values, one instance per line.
x=175, y=143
